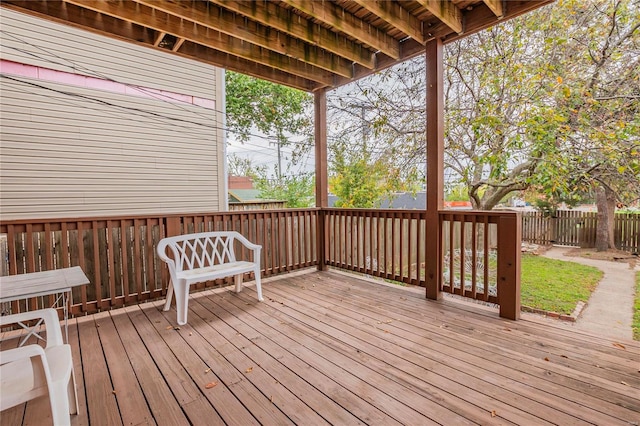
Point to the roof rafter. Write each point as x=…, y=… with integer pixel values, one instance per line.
x=269, y=14
x=148, y=17
x=395, y=15
x=446, y=12
x=229, y=23
x=349, y=24
x=496, y=7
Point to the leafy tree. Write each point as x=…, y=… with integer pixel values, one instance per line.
x=547, y=101
x=298, y=191
x=272, y=109
x=373, y=139
x=239, y=166
x=597, y=98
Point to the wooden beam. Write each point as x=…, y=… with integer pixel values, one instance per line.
x=142, y=15
x=320, y=125
x=233, y=63
x=68, y=14
x=349, y=24
x=481, y=17
x=159, y=38
x=435, y=167
x=496, y=7
x=509, y=265
x=229, y=23
x=409, y=48
x=395, y=15
x=177, y=45
x=322, y=198
x=108, y=26
x=446, y=11
x=270, y=14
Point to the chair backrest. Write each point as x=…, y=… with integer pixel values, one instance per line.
x=30, y=371
x=191, y=251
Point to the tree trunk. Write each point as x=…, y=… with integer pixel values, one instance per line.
x=606, y=203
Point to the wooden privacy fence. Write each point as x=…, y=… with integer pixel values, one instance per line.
x=578, y=229
x=480, y=251
x=118, y=254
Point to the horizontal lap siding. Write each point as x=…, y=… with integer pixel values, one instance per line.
x=70, y=151
x=29, y=40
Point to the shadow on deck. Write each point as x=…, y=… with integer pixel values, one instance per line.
x=325, y=347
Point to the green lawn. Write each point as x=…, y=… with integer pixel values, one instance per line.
x=556, y=285
x=636, y=310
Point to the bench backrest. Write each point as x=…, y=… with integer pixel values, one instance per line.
x=191, y=251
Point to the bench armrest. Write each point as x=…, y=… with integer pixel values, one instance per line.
x=248, y=244
x=51, y=322
x=23, y=352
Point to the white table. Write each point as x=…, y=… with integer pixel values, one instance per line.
x=58, y=282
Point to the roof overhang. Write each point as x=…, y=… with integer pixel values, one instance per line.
x=309, y=45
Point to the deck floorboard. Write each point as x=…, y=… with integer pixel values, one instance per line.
x=331, y=348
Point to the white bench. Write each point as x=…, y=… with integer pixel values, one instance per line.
x=206, y=256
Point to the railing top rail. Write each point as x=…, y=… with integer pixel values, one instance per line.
x=147, y=216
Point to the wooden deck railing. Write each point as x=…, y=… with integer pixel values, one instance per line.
x=118, y=253
x=480, y=250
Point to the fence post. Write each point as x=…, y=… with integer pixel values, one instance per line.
x=509, y=256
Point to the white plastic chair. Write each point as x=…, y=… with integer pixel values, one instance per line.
x=31, y=371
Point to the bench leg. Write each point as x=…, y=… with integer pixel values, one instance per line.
x=238, y=281
x=258, y=285
x=181, y=289
x=167, y=304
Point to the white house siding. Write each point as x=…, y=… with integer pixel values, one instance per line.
x=72, y=151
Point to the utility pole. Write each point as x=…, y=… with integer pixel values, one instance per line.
x=277, y=142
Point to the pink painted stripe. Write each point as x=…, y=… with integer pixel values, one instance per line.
x=47, y=74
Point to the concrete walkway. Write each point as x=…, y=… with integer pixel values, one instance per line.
x=609, y=311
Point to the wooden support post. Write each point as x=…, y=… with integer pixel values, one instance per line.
x=435, y=168
x=509, y=254
x=322, y=192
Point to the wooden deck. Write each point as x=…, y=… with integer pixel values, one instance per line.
x=330, y=348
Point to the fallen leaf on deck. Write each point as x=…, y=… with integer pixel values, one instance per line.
x=190, y=334
x=176, y=328
x=564, y=356
x=493, y=413
x=271, y=398
x=249, y=370
x=546, y=359
x=207, y=370
x=624, y=383
x=168, y=327
x=210, y=385
x=619, y=345
x=113, y=391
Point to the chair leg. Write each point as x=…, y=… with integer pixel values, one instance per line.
x=238, y=280
x=258, y=284
x=181, y=289
x=72, y=394
x=60, y=406
x=167, y=304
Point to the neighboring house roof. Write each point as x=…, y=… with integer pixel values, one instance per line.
x=402, y=200
x=240, y=182
x=247, y=196
x=409, y=201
